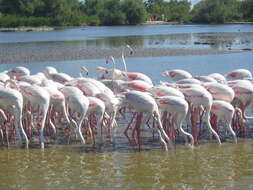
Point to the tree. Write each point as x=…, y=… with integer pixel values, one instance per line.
x=134, y=10
x=247, y=9
x=112, y=13
x=178, y=11
x=216, y=11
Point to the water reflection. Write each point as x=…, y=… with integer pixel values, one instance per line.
x=207, y=166
x=221, y=41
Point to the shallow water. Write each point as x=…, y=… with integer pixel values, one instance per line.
x=207, y=166
x=153, y=66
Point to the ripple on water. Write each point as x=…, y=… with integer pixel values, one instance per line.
x=207, y=166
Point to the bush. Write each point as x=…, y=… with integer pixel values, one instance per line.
x=16, y=21
x=92, y=20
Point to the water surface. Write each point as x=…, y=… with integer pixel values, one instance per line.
x=207, y=166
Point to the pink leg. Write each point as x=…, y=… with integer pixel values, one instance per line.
x=129, y=125
x=138, y=129
x=194, y=124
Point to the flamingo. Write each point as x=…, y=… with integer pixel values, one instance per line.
x=205, y=79
x=224, y=111
x=138, y=85
x=97, y=106
x=127, y=47
x=11, y=101
x=178, y=108
x=162, y=90
x=177, y=74
x=142, y=102
x=4, y=77
x=200, y=97
x=38, y=99
x=122, y=75
x=57, y=105
x=243, y=95
x=218, y=77
x=239, y=74
x=18, y=72
x=51, y=73
x=77, y=105
x=188, y=81
x=220, y=91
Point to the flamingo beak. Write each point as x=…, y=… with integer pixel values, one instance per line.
x=164, y=74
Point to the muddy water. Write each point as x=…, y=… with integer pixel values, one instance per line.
x=207, y=166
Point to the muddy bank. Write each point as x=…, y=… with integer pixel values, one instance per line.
x=43, y=52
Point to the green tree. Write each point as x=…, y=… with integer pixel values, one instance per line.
x=216, y=11
x=178, y=11
x=64, y=12
x=156, y=8
x=247, y=9
x=112, y=13
x=134, y=10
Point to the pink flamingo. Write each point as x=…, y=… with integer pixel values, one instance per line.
x=200, y=98
x=97, y=106
x=11, y=101
x=243, y=95
x=77, y=105
x=224, y=111
x=189, y=81
x=51, y=73
x=177, y=74
x=178, y=108
x=38, y=100
x=162, y=90
x=18, y=72
x=127, y=47
x=220, y=91
x=239, y=74
x=205, y=79
x=218, y=77
x=142, y=102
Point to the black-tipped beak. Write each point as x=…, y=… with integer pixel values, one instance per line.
x=106, y=62
x=87, y=73
x=131, y=52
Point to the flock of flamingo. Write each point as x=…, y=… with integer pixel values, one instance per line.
x=188, y=105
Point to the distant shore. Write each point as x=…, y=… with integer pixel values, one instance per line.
x=50, y=28
x=27, y=29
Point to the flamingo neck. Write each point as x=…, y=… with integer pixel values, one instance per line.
x=123, y=59
x=247, y=117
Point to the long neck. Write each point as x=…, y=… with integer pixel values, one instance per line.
x=113, y=69
x=210, y=126
x=123, y=59
x=81, y=74
x=247, y=117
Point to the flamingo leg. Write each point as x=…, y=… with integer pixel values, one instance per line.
x=194, y=124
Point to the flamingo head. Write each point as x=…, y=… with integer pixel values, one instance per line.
x=130, y=49
x=84, y=69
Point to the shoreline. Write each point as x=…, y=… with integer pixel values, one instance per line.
x=51, y=28
x=28, y=29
